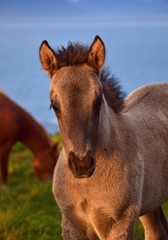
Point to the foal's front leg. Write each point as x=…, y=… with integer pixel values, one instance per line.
x=121, y=232
x=121, y=228
x=72, y=232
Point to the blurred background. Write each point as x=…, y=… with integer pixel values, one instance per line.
x=135, y=33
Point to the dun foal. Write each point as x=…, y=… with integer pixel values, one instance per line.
x=18, y=125
x=113, y=167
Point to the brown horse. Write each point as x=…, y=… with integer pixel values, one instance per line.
x=18, y=125
x=113, y=167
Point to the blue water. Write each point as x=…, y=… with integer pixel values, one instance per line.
x=137, y=53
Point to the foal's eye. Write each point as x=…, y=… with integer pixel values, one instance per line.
x=54, y=107
x=97, y=102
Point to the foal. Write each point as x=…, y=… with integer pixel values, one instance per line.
x=113, y=167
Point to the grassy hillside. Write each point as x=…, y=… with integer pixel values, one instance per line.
x=27, y=207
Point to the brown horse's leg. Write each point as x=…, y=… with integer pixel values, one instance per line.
x=155, y=225
x=4, y=154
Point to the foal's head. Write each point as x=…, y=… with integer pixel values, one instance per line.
x=76, y=94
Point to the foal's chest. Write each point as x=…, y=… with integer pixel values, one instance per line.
x=87, y=200
x=95, y=213
x=90, y=196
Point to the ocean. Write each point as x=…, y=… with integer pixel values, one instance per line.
x=136, y=52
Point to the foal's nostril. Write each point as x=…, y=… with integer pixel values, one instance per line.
x=81, y=167
x=89, y=160
x=72, y=161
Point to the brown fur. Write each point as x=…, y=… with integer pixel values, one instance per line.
x=76, y=55
x=18, y=125
x=113, y=165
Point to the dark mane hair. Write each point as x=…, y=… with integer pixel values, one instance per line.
x=77, y=54
x=112, y=90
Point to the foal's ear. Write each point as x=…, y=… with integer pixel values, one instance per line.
x=48, y=58
x=96, y=55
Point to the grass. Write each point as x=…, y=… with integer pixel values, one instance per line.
x=27, y=207
x=28, y=210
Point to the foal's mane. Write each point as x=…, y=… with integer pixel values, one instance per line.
x=77, y=54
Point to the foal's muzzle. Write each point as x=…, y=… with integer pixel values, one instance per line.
x=81, y=167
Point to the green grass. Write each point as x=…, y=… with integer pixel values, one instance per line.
x=27, y=207
x=28, y=210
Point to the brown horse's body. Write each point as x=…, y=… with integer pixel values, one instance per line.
x=114, y=164
x=17, y=125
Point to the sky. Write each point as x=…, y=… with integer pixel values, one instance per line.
x=81, y=10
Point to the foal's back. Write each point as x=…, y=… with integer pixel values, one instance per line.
x=149, y=98
x=147, y=108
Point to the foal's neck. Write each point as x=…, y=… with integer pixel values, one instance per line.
x=108, y=128
x=116, y=132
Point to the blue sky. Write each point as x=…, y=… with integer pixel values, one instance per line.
x=74, y=10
